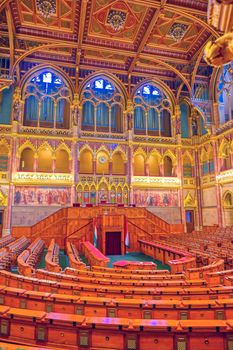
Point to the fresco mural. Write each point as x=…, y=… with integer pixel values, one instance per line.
x=42, y=195
x=155, y=198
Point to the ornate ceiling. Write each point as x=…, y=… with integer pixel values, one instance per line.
x=80, y=38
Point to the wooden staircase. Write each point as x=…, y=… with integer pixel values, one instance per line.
x=76, y=224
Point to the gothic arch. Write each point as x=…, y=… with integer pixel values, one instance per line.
x=112, y=78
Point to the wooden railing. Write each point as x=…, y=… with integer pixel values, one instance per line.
x=74, y=223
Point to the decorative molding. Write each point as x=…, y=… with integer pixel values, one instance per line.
x=149, y=181
x=225, y=176
x=26, y=178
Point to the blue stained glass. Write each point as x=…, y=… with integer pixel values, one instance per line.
x=47, y=78
x=99, y=84
x=146, y=90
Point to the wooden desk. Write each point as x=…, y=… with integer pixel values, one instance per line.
x=135, y=265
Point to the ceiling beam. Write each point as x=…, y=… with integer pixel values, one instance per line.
x=173, y=69
x=154, y=4
x=146, y=36
x=82, y=20
x=11, y=31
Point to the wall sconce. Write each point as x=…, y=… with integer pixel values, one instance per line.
x=206, y=341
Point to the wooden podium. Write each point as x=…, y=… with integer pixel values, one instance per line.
x=111, y=229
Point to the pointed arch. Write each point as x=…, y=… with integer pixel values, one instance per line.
x=42, y=67
x=63, y=157
x=224, y=145
x=140, y=150
x=45, y=157
x=170, y=154
x=86, y=147
x=189, y=201
x=26, y=144
x=120, y=150
x=86, y=158
x=112, y=78
x=5, y=144
x=103, y=148
x=45, y=145
x=118, y=163
x=159, y=83
x=188, y=155
x=228, y=199
x=63, y=146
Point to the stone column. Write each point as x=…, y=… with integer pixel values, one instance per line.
x=147, y=169
x=198, y=188
x=110, y=167
x=11, y=171
x=35, y=164
x=181, y=177
x=74, y=159
x=217, y=186
x=130, y=171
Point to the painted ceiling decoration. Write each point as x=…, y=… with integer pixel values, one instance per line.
x=133, y=39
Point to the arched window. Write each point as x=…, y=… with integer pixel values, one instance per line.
x=102, y=106
x=27, y=160
x=225, y=94
x=47, y=101
x=152, y=111
x=228, y=200
x=167, y=166
x=5, y=105
x=184, y=118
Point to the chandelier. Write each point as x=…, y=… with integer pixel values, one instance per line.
x=177, y=31
x=116, y=19
x=46, y=7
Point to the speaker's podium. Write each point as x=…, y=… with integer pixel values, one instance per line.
x=112, y=238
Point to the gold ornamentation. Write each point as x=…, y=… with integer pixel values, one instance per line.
x=151, y=181
x=3, y=199
x=28, y=178
x=189, y=201
x=219, y=52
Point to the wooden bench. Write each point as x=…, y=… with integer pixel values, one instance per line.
x=93, y=255
x=52, y=257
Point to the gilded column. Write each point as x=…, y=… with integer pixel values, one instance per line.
x=74, y=159
x=217, y=186
x=11, y=171
x=198, y=187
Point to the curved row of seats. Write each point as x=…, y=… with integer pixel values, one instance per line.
x=67, y=331
x=65, y=284
x=52, y=257
x=93, y=255
x=73, y=255
x=4, y=241
x=117, y=307
x=9, y=254
x=29, y=258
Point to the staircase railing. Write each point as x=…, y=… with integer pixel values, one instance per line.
x=141, y=229
x=76, y=231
